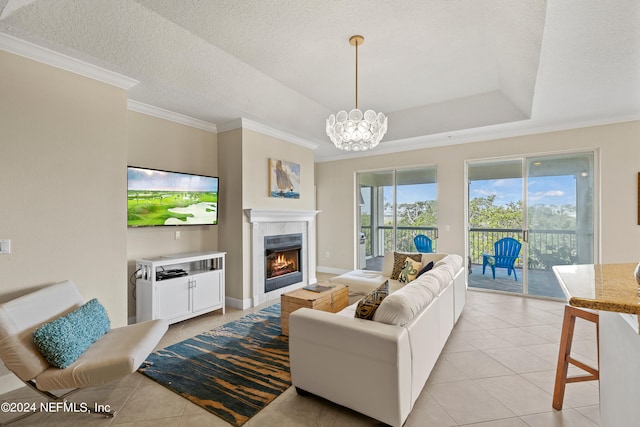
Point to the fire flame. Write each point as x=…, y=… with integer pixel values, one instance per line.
x=281, y=264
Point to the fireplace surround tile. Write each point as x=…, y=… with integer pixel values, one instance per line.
x=275, y=222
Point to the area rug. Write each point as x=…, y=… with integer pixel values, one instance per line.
x=232, y=371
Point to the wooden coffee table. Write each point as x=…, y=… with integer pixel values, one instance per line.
x=332, y=300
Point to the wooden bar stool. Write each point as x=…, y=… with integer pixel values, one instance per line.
x=564, y=356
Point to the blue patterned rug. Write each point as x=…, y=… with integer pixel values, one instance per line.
x=232, y=371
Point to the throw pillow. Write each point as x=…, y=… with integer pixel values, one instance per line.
x=426, y=268
x=368, y=305
x=409, y=271
x=398, y=262
x=64, y=339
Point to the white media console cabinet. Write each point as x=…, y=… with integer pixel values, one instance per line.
x=181, y=286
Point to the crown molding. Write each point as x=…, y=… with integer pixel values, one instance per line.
x=161, y=113
x=487, y=133
x=243, y=123
x=47, y=56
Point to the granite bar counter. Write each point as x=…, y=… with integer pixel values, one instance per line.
x=613, y=291
x=608, y=287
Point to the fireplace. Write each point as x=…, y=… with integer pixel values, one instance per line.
x=265, y=223
x=282, y=261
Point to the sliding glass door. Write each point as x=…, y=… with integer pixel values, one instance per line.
x=393, y=207
x=376, y=206
x=560, y=217
x=496, y=211
x=546, y=204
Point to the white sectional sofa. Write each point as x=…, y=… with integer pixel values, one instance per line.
x=378, y=367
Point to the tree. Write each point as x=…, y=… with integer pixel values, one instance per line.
x=484, y=214
x=417, y=214
x=545, y=249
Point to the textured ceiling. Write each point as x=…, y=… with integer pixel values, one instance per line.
x=443, y=71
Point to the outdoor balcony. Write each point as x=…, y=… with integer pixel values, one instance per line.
x=546, y=248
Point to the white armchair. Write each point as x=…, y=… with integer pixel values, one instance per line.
x=116, y=354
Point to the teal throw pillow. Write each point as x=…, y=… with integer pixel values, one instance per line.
x=64, y=339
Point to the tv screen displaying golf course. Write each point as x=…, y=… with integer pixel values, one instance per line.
x=157, y=197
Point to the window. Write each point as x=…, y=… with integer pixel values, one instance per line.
x=394, y=206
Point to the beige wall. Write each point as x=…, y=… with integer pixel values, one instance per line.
x=65, y=142
x=258, y=149
x=62, y=136
x=62, y=156
x=162, y=144
x=230, y=235
x=244, y=167
x=619, y=153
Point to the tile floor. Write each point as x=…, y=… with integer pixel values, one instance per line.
x=497, y=369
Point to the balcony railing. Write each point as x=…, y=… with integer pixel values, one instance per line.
x=404, y=238
x=545, y=248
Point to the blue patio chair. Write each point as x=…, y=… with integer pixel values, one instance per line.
x=506, y=252
x=423, y=243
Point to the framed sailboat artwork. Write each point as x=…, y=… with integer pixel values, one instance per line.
x=284, y=179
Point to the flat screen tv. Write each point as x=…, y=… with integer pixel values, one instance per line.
x=156, y=197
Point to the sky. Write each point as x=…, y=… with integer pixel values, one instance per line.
x=148, y=179
x=554, y=190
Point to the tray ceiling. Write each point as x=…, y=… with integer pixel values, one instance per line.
x=443, y=71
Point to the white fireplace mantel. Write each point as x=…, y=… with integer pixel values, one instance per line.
x=267, y=222
x=270, y=215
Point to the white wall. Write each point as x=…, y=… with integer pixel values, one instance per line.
x=619, y=166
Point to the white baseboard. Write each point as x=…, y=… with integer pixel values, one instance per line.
x=241, y=304
x=10, y=382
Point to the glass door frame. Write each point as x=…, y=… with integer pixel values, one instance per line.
x=524, y=158
x=377, y=244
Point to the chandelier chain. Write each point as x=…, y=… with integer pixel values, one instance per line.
x=357, y=74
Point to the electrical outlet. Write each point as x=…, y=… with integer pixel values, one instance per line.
x=327, y=254
x=177, y=235
x=5, y=246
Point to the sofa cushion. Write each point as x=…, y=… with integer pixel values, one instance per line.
x=403, y=305
x=368, y=305
x=360, y=281
x=432, y=282
x=64, y=339
x=452, y=260
x=432, y=256
x=399, y=259
x=442, y=275
x=409, y=271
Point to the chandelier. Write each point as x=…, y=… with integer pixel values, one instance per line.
x=354, y=131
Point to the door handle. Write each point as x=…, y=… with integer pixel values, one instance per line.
x=525, y=236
